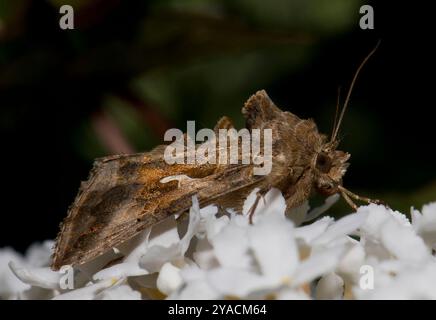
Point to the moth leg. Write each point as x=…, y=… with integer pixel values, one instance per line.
x=253, y=208
x=259, y=195
x=222, y=209
x=349, y=201
x=295, y=194
x=347, y=193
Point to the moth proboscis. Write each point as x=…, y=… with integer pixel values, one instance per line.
x=125, y=194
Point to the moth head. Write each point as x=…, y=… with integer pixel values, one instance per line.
x=330, y=166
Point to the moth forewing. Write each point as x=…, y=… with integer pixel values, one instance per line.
x=125, y=194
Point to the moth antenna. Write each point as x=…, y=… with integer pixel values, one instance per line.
x=337, y=111
x=347, y=99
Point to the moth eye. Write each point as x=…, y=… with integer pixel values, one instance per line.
x=323, y=163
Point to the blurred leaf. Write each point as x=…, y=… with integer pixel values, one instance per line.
x=319, y=17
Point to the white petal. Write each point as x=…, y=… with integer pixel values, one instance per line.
x=164, y=233
x=130, y=265
x=141, y=247
x=87, y=293
x=402, y=242
x=191, y=273
x=393, y=267
x=350, y=263
x=273, y=244
x=238, y=283
x=40, y=277
x=121, y=292
x=89, y=268
x=416, y=216
x=208, y=211
x=204, y=255
x=292, y=294
x=374, y=249
x=272, y=203
x=231, y=246
x=193, y=227
x=429, y=209
x=342, y=227
x=249, y=202
x=415, y=283
x=196, y=290
x=169, y=279
x=207, y=218
x=400, y=218
x=215, y=225
x=196, y=287
x=39, y=254
x=377, y=216
x=10, y=285
x=316, y=265
x=157, y=256
x=330, y=286
x=158, y=252
x=239, y=220
x=426, y=225
x=120, y=270
x=312, y=231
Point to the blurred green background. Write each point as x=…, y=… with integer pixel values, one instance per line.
x=132, y=69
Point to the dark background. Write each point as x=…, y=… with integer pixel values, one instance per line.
x=132, y=69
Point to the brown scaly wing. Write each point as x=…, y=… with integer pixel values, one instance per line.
x=124, y=195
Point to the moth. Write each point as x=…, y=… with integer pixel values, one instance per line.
x=127, y=193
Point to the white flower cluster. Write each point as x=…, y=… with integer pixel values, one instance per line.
x=375, y=253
